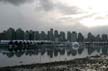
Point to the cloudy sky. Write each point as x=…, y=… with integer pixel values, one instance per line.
x=79, y=15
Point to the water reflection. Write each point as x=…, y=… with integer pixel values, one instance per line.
x=51, y=52
x=46, y=53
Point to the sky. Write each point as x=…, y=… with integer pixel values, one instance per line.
x=63, y=15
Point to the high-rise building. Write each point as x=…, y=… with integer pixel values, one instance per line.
x=36, y=35
x=42, y=35
x=56, y=35
x=31, y=35
x=62, y=36
x=19, y=34
x=10, y=34
x=51, y=35
x=104, y=37
x=68, y=36
x=80, y=37
x=74, y=36
x=98, y=38
x=90, y=37
x=26, y=35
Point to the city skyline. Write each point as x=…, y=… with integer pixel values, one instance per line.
x=52, y=35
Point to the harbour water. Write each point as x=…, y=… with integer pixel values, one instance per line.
x=44, y=55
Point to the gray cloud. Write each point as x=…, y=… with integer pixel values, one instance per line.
x=46, y=4
x=16, y=2
x=43, y=4
x=68, y=9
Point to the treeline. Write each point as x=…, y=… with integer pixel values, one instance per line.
x=53, y=35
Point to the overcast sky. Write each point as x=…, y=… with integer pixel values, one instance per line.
x=78, y=15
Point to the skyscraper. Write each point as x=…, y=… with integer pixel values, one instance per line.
x=74, y=36
x=68, y=36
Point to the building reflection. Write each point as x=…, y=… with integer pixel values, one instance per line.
x=52, y=51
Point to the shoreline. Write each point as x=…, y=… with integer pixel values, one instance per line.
x=93, y=62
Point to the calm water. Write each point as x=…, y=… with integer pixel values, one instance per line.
x=44, y=55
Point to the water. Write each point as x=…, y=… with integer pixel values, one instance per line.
x=44, y=55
